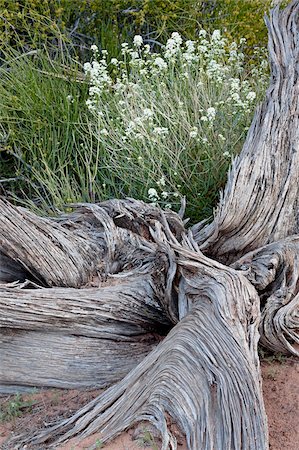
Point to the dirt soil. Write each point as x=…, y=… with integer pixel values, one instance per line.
x=27, y=413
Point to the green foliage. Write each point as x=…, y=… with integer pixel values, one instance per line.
x=28, y=24
x=98, y=444
x=14, y=408
x=160, y=127
x=109, y=23
x=243, y=19
x=146, y=439
x=43, y=103
x=57, y=152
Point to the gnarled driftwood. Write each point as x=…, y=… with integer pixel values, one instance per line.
x=119, y=276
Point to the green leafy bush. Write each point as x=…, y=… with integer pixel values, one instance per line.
x=109, y=23
x=28, y=23
x=243, y=19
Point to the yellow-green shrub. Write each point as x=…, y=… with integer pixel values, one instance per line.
x=243, y=19
x=26, y=22
x=110, y=22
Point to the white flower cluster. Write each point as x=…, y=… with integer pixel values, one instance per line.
x=241, y=95
x=99, y=77
x=161, y=195
x=170, y=109
x=173, y=45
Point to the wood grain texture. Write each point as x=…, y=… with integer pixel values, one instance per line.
x=204, y=374
x=76, y=338
x=274, y=271
x=53, y=359
x=52, y=254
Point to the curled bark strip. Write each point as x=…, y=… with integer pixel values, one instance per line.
x=51, y=253
x=280, y=325
x=205, y=374
x=261, y=199
x=274, y=271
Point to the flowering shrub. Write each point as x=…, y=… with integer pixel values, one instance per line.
x=168, y=124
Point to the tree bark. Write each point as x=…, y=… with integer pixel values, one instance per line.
x=121, y=275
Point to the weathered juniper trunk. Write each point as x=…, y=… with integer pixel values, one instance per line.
x=123, y=291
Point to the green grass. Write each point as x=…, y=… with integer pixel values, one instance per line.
x=45, y=129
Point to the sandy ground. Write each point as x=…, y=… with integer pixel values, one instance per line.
x=281, y=394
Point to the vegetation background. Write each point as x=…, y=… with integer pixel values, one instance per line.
x=54, y=150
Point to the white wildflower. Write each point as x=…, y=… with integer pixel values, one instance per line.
x=138, y=41
x=146, y=49
x=94, y=48
x=160, y=131
x=160, y=62
x=147, y=113
x=173, y=45
x=153, y=194
x=226, y=154
x=134, y=55
x=235, y=84
x=90, y=105
x=193, y=133
x=114, y=61
x=235, y=96
x=177, y=38
x=161, y=182
x=190, y=45
x=211, y=114
x=87, y=67
x=190, y=55
x=216, y=35
x=203, y=48
x=216, y=71
x=251, y=96
x=104, y=132
x=233, y=55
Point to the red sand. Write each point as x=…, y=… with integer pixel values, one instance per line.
x=281, y=394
